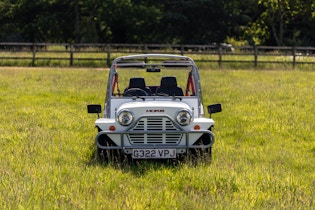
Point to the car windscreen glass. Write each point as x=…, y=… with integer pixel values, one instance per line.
x=152, y=79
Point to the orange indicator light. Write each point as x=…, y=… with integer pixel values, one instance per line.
x=112, y=128
x=197, y=127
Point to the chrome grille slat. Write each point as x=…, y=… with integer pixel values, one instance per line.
x=169, y=126
x=152, y=124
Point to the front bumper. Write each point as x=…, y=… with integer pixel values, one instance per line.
x=187, y=142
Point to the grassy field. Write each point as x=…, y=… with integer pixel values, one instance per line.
x=263, y=157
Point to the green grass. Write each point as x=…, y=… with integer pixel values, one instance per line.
x=263, y=156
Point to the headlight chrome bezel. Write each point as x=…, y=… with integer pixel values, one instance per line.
x=125, y=113
x=183, y=117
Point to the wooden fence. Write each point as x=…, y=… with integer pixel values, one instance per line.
x=65, y=54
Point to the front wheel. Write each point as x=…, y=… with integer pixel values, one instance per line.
x=203, y=153
x=109, y=156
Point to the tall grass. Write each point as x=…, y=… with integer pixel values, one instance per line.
x=263, y=157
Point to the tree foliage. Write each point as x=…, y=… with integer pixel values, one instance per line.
x=264, y=22
x=283, y=22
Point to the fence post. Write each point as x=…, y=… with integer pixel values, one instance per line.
x=145, y=49
x=294, y=58
x=220, y=57
x=182, y=49
x=255, y=56
x=34, y=54
x=71, y=54
x=108, y=54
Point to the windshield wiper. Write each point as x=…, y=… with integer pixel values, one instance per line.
x=177, y=97
x=136, y=97
x=174, y=97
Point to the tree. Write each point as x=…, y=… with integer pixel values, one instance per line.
x=281, y=22
x=7, y=26
x=264, y=22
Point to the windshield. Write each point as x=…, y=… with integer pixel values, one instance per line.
x=152, y=81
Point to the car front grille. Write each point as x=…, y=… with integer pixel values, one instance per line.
x=163, y=135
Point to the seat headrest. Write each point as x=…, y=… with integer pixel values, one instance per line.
x=168, y=82
x=137, y=83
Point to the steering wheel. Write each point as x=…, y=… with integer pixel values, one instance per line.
x=135, y=92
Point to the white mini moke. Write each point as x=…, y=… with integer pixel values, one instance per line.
x=153, y=109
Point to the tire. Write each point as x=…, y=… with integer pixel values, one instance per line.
x=201, y=153
x=108, y=155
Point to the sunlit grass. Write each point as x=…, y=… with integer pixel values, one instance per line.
x=263, y=156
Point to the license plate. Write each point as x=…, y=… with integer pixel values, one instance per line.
x=153, y=153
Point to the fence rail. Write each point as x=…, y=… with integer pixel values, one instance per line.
x=65, y=54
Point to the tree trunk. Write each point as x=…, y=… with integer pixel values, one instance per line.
x=77, y=22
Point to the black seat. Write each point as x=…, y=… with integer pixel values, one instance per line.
x=169, y=87
x=134, y=85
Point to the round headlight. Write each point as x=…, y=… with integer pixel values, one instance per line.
x=183, y=117
x=125, y=117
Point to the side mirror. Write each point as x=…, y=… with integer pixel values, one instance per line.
x=214, y=108
x=94, y=108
